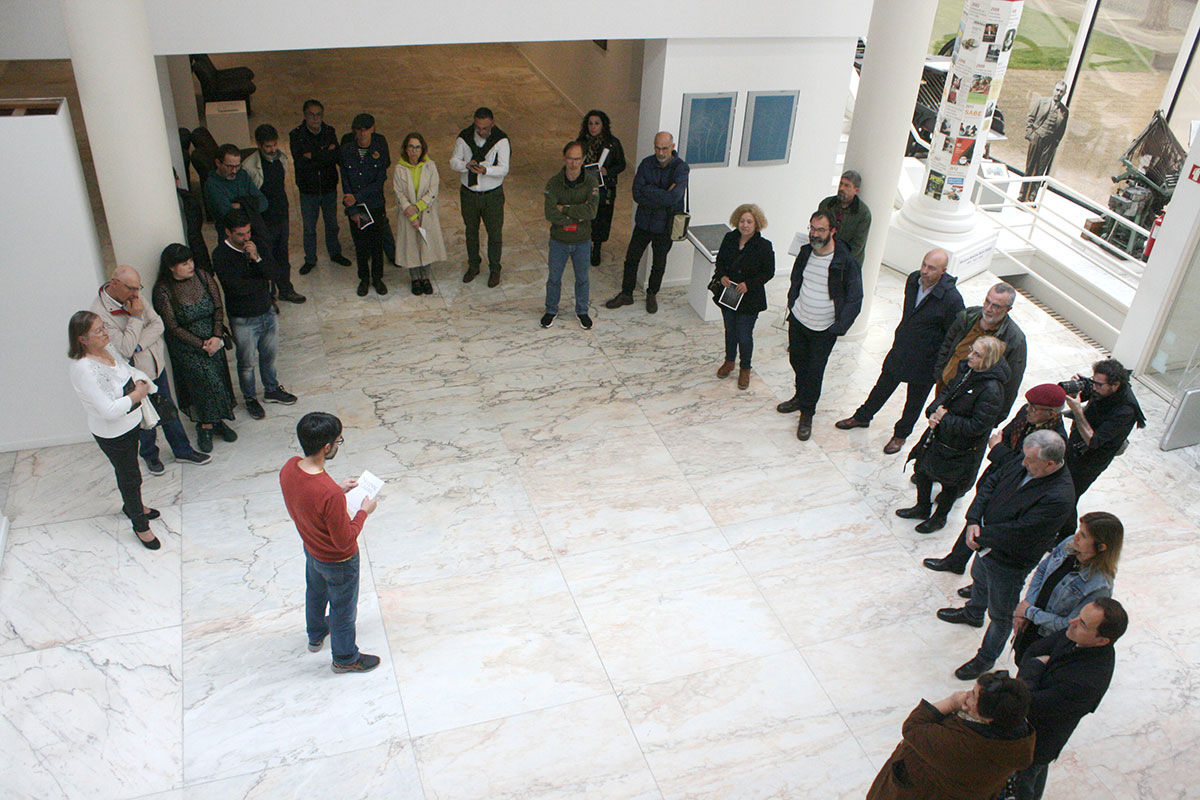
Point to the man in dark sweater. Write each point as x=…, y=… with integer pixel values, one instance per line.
x=245, y=280
x=572, y=198
x=1067, y=674
x=314, y=148
x=266, y=167
x=850, y=213
x=931, y=302
x=364, y=163
x=1010, y=525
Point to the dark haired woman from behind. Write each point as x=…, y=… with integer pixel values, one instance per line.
x=595, y=134
x=112, y=393
x=964, y=746
x=193, y=315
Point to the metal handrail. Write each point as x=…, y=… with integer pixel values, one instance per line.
x=1043, y=218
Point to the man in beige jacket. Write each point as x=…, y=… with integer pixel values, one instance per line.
x=136, y=332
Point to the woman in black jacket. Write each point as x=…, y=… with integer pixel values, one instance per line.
x=961, y=419
x=745, y=262
x=595, y=134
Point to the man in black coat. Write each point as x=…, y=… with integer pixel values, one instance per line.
x=314, y=146
x=1011, y=524
x=931, y=302
x=1067, y=674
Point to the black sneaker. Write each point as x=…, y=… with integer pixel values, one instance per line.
x=365, y=663
x=195, y=458
x=307, y=267
x=585, y=322
x=292, y=297
x=254, y=409
x=227, y=433
x=547, y=320
x=341, y=260
x=204, y=439
x=280, y=395
x=363, y=286
x=155, y=467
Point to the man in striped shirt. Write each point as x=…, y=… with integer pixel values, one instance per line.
x=823, y=302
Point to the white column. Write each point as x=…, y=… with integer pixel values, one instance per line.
x=897, y=42
x=123, y=111
x=169, y=119
x=183, y=87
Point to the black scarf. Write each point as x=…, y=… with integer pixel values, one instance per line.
x=479, y=152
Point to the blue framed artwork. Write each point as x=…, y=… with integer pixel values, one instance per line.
x=767, y=129
x=706, y=130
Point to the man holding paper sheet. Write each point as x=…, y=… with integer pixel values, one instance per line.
x=364, y=164
x=317, y=506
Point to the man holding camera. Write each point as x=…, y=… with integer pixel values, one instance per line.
x=1104, y=412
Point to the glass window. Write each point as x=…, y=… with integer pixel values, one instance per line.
x=1187, y=105
x=1174, y=362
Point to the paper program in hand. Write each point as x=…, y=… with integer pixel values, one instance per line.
x=369, y=485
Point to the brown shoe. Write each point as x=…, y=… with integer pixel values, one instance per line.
x=850, y=423
x=724, y=370
x=893, y=446
x=743, y=379
x=494, y=279
x=804, y=426
x=470, y=274
x=621, y=299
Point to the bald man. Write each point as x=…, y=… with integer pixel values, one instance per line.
x=136, y=332
x=931, y=303
x=658, y=189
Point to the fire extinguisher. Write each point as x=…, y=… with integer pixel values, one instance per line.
x=1153, y=234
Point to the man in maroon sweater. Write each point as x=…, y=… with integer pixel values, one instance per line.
x=317, y=506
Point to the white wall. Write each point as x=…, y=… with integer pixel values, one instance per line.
x=787, y=193
x=33, y=28
x=592, y=77
x=51, y=268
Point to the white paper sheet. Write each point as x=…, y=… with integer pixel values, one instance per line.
x=369, y=485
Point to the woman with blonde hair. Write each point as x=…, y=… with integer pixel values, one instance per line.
x=961, y=419
x=418, y=229
x=745, y=262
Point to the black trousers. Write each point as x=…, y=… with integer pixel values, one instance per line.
x=660, y=245
x=602, y=224
x=487, y=207
x=808, y=352
x=122, y=451
x=275, y=245
x=914, y=402
x=368, y=247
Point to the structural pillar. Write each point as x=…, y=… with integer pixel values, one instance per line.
x=887, y=91
x=123, y=111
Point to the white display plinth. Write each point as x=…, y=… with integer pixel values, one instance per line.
x=698, y=295
x=970, y=250
x=228, y=123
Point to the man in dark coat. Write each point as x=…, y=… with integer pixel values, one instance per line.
x=314, y=146
x=659, y=187
x=1067, y=674
x=990, y=319
x=1011, y=524
x=931, y=302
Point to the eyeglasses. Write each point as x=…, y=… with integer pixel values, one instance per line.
x=340, y=441
x=811, y=229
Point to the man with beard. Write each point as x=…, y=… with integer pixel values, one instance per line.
x=850, y=213
x=989, y=319
x=824, y=300
x=317, y=505
x=482, y=153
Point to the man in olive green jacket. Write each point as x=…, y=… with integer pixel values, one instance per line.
x=850, y=214
x=572, y=199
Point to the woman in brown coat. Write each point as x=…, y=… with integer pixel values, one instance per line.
x=961, y=748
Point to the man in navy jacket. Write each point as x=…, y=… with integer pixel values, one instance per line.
x=931, y=302
x=364, y=164
x=658, y=189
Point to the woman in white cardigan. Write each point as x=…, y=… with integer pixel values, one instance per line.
x=415, y=181
x=112, y=393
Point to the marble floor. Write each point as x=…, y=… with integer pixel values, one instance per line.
x=596, y=569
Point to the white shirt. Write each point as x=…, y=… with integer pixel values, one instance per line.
x=496, y=161
x=813, y=306
x=101, y=389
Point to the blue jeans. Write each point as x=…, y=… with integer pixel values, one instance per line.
x=333, y=584
x=580, y=255
x=310, y=206
x=1032, y=782
x=252, y=334
x=996, y=588
x=739, y=335
x=173, y=431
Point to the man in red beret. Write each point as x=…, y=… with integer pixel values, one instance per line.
x=1042, y=411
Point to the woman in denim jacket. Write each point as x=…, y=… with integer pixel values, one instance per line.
x=1073, y=574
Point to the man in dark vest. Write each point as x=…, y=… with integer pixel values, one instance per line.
x=931, y=302
x=267, y=167
x=482, y=154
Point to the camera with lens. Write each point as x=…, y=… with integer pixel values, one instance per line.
x=1078, y=386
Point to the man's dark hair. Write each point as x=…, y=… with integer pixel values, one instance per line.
x=483, y=112
x=309, y=104
x=266, y=133
x=853, y=176
x=362, y=122
x=828, y=218
x=1116, y=620
x=317, y=429
x=236, y=218
x=1003, y=699
x=571, y=144
x=227, y=150
x=1113, y=370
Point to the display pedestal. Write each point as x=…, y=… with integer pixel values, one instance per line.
x=228, y=123
x=706, y=241
x=970, y=248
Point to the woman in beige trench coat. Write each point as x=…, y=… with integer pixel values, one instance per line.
x=418, y=230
